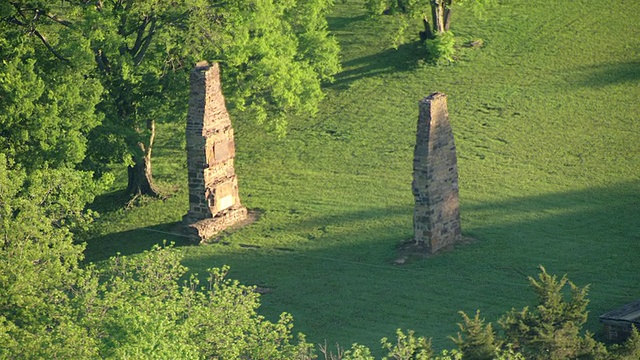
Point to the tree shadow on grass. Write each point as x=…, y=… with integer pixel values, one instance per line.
x=612, y=74
x=110, y=202
x=339, y=282
x=135, y=241
x=593, y=235
x=340, y=23
x=405, y=58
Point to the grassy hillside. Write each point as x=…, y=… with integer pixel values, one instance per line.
x=547, y=122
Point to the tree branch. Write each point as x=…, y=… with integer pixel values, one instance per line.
x=147, y=41
x=30, y=24
x=49, y=47
x=151, y=126
x=62, y=22
x=122, y=28
x=19, y=11
x=140, y=36
x=14, y=20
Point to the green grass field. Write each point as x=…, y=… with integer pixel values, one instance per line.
x=546, y=117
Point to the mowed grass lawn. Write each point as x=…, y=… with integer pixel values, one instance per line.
x=546, y=117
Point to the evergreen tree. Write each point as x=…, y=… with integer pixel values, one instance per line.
x=553, y=329
x=477, y=340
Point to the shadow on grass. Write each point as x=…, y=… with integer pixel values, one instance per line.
x=339, y=283
x=405, y=58
x=343, y=220
x=574, y=230
x=592, y=235
x=110, y=202
x=612, y=74
x=120, y=200
x=135, y=241
x=339, y=23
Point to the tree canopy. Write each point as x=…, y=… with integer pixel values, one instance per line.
x=129, y=60
x=274, y=56
x=47, y=100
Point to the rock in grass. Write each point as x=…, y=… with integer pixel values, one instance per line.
x=476, y=44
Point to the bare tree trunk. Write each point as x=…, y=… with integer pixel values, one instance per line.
x=434, y=15
x=441, y=14
x=447, y=15
x=140, y=173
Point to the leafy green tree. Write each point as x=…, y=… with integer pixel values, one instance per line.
x=47, y=101
x=129, y=307
x=52, y=307
x=357, y=352
x=408, y=346
x=47, y=108
x=274, y=55
x=39, y=263
x=140, y=311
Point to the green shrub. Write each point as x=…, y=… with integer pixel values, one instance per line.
x=440, y=50
x=408, y=346
x=358, y=352
x=477, y=340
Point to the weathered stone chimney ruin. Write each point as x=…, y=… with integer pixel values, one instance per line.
x=436, y=219
x=214, y=203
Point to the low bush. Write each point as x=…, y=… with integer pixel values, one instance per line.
x=440, y=50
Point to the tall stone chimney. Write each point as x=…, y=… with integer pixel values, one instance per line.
x=214, y=203
x=436, y=219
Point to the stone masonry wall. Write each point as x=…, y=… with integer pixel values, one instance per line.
x=436, y=219
x=214, y=202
